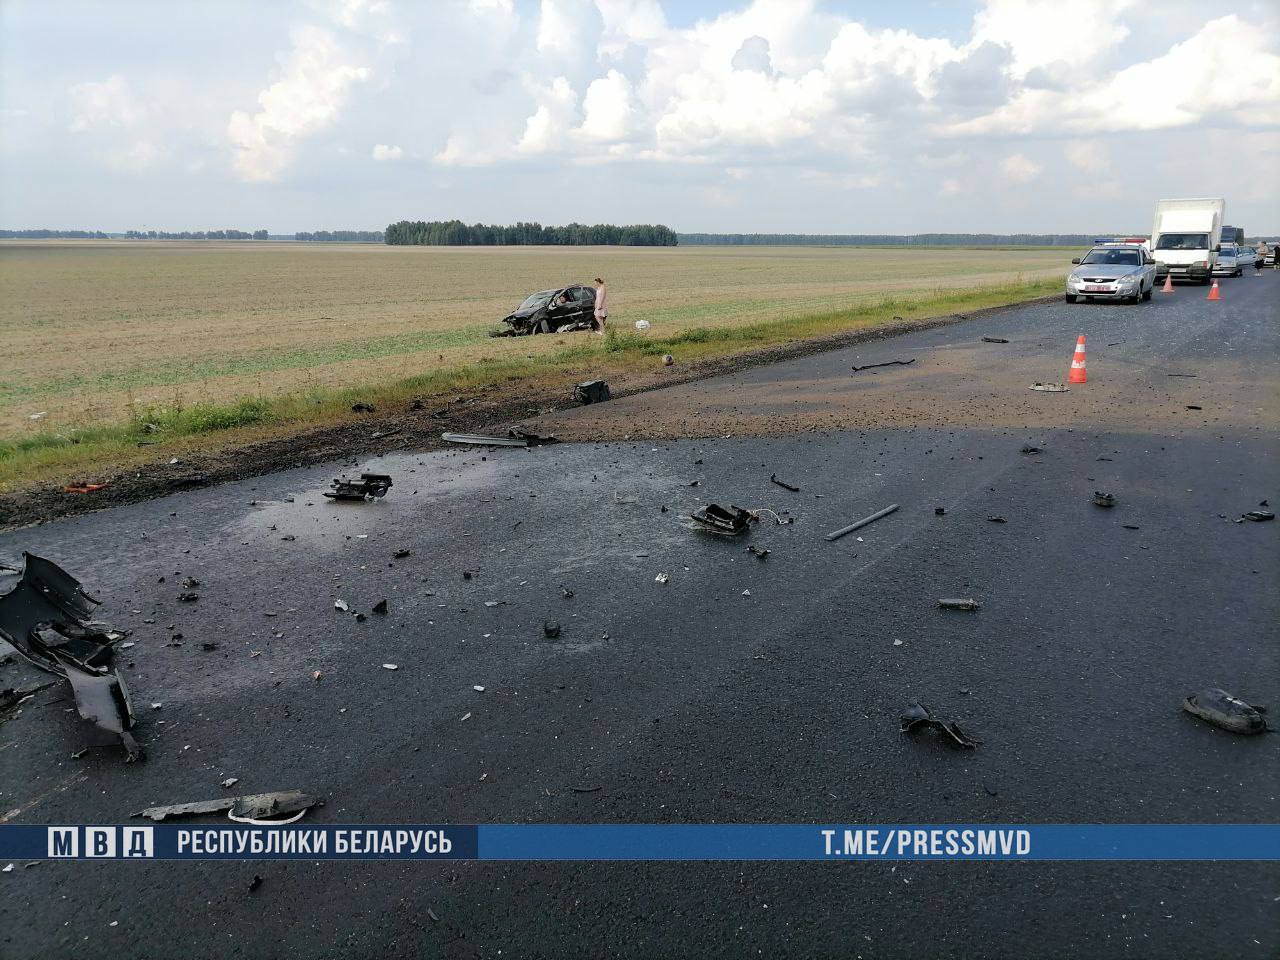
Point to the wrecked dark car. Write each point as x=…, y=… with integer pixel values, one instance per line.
x=551, y=311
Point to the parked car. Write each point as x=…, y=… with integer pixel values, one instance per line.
x=1227, y=264
x=1246, y=257
x=551, y=311
x=1117, y=271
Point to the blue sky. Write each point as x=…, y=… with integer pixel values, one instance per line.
x=832, y=116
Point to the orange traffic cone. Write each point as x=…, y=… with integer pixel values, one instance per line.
x=1077, y=374
x=1213, y=292
x=1168, y=283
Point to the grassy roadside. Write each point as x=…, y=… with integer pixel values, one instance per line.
x=159, y=432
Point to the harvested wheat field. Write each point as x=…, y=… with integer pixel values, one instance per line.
x=95, y=331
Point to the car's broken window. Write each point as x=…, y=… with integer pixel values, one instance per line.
x=537, y=299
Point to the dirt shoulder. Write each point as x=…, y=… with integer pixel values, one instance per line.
x=492, y=410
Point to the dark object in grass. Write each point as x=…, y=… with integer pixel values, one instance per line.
x=592, y=391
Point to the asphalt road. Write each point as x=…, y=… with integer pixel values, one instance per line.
x=691, y=702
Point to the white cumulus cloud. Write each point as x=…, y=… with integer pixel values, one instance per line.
x=382, y=151
x=1019, y=168
x=313, y=86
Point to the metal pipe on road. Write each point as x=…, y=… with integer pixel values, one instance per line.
x=837, y=534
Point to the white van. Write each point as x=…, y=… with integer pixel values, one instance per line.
x=1185, y=238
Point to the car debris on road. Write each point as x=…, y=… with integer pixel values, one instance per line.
x=994, y=340
x=717, y=519
x=45, y=618
x=917, y=715
x=773, y=478
x=368, y=486
x=1049, y=387
x=1101, y=499
x=514, y=438
x=887, y=363
x=857, y=524
x=1226, y=711
x=959, y=603
x=254, y=808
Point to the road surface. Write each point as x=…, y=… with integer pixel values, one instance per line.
x=741, y=690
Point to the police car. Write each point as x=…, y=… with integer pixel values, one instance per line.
x=1120, y=269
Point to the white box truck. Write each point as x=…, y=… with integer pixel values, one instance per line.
x=1185, y=238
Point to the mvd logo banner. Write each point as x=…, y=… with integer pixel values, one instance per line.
x=560, y=842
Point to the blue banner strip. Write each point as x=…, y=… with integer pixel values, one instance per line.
x=551, y=842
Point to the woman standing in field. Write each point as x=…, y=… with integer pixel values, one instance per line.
x=602, y=306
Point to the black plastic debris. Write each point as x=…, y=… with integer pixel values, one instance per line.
x=773, y=478
x=887, y=363
x=11, y=697
x=380, y=608
x=45, y=617
x=759, y=552
x=959, y=603
x=994, y=340
x=593, y=391
x=255, y=883
x=1259, y=516
x=996, y=519
x=362, y=407
x=731, y=520
x=369, y=485
x=1226, y=711
x=917, y=715
x=401, y=553
x=550, y=629
x=249, y=808
x=1101, y=499
x=939, y=511
x=1030, y=449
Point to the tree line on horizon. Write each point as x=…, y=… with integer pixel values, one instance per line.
x=195, y=235
x=341, y=236
x=455, y=233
